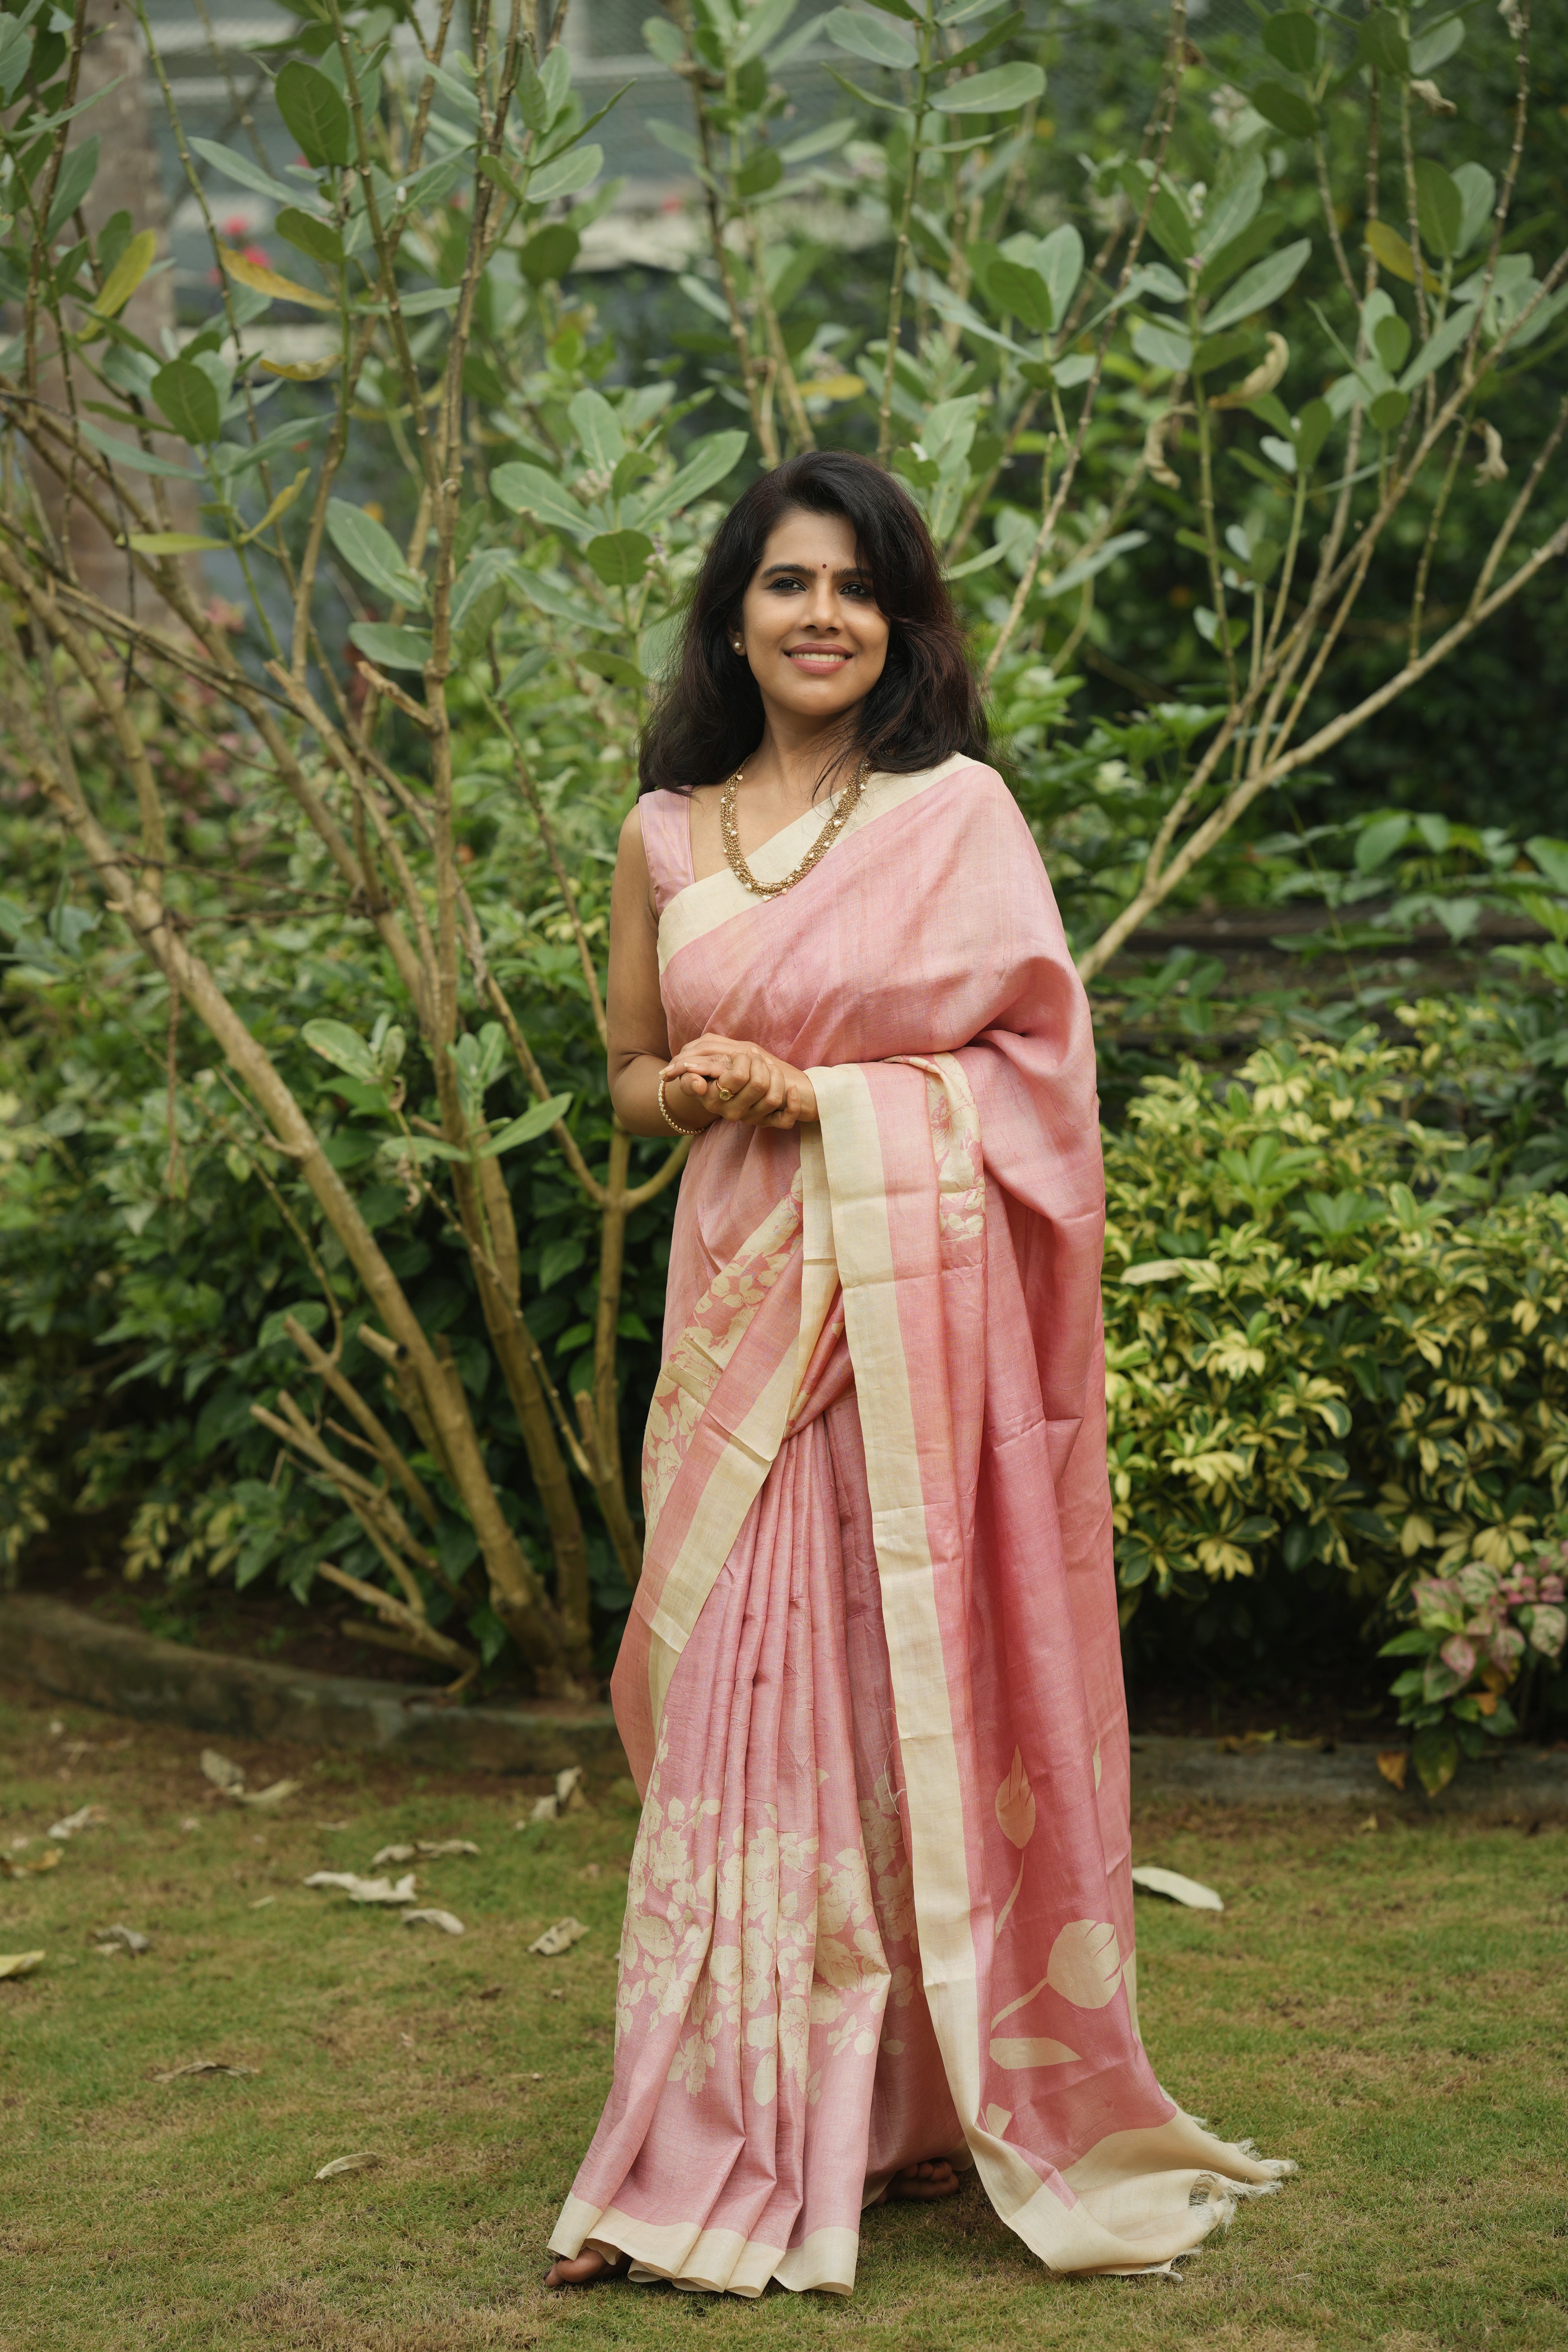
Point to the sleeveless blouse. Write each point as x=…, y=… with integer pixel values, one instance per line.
x=667, y=844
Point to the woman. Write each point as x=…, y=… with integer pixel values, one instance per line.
x=879, y=1921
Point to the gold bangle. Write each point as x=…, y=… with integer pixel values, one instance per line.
x=674, y=1124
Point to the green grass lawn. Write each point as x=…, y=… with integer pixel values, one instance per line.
x=1387, y=2005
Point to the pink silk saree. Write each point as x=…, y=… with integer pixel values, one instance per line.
x=879, y=1908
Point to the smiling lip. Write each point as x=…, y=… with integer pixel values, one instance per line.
x=817, y=657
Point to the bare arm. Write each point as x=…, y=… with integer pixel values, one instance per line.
x=760, y=1089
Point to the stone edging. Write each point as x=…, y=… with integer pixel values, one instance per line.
x=73, y=1655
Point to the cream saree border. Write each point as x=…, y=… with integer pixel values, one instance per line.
x=1136, y=2191
x=702, y=906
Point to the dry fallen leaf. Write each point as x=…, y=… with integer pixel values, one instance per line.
x=117, y=1938
x=82, y=1820
x=544, y=1809
x=559, y=1938
x=442, y=1919
x=569, y=1796
x=262, y=1900
x=1393, y=1763
x=272, y=1795
x=204, y=2066
x=19, y=1964
x=366, y=2161
x=365, y=1890
x=431, y=1848
x=10, y=1867
x=1170, y=1883
x=222, y=1770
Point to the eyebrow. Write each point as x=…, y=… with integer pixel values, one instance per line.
x=851, y=571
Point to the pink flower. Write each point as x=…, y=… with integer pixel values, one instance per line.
x=1458, y=1657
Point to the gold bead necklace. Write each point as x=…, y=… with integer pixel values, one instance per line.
x=842, y=811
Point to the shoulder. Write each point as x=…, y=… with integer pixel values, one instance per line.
x=982, y=794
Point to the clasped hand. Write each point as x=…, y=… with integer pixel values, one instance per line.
x=741, y=1082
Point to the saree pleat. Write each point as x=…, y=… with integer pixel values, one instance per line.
x=880, y=1906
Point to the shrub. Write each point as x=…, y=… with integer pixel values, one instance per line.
x=1479, y=1632
x=1332, y=1345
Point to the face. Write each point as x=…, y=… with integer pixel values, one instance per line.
x=809, y=626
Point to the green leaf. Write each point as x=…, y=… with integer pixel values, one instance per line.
x=1390, y=252
x=1232, y=204
x=1003, y=90
x=527, y=1130
x=1551, y=858
x=559, y=1257
x=1218, y=351
x=765, y=29
x=567, y=174
x=1478, y=195
x=714, y=458
x=1162, y=347
x=1433, y=1751
x=369, y=548
x=1312, y=429
x=1413, y=1643
x=1387, y=413
x=1376, y=843
x=314, y=113
x=1439, y=208
x=664, y=41
x=554, y=595
x=172, y=542
x=1391, y=341
x=307, y=235
x=1291, y=41
x=390, y=648
x=126, y=453
x=1258, y=287
x=495, y=172
x=870, y=37
x=242, y=170
x=1430, y=50
x=549, y=253
x=1087, y=566
x=619, y=558
x=1022, y=292
x=127, y=274
x=615, y=669
x=762, y=170
x=16, y=56
x=529, y=490
x=189, y=400
x=76, y=175
x=343, y=1048
x=598, y=429
x=1379, y=43
x=1059, y=260
x=1286, y=109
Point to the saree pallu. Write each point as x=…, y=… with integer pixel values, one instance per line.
x=879, y=1908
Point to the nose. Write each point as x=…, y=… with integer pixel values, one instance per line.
x=822, y=605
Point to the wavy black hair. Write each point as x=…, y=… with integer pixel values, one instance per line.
x=925, y=706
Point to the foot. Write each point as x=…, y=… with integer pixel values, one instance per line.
x=922, y=2182
x=587, y=2269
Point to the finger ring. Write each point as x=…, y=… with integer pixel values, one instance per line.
x=726, y=1093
